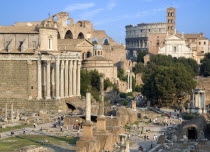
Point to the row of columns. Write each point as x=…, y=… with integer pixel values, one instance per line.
x=59, y=79
x=137, y=44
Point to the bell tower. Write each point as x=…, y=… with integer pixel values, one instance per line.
x=171, y=20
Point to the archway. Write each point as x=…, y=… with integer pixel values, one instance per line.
x=69, y=35
x=89, y=54
x=192, y=133
x=105, y=41
x=95, y=41
x=59, y=37
x=81, y=36
x=70, y=107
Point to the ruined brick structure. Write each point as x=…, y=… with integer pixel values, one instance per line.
x=42, y=60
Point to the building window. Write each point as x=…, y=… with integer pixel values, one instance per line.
x=199, y=43
x=174, y=49
x=202, y=51
x=20, y=44
x=34, y=44
x=50, y=44
x=204, y=43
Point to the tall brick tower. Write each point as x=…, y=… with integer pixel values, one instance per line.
x=171, y=20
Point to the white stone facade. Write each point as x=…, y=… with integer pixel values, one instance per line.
x=176, y=47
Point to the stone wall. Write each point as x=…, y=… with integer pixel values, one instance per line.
x=14, y=79
x=204, y=83
x=34, y=105
x=155, y=41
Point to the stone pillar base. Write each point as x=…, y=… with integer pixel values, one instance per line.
x=87, y=131
x=101, y=123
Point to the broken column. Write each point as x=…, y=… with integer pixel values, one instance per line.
x=17, y=115
x=124, y=143
x=88, y=125
x=5, y=119
x=87, y=142
x=12, y=112
x=134, y=105
x=101, y=119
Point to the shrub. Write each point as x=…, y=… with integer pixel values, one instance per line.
x=123, y=95
x=125, y=102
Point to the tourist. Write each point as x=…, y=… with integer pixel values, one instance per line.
x=78, y=131
x=41, y=129
x=12, y=133
x=145, y=137
x=129, y=135
x=24, y=131
x=61, y=129
x=140, y=149
x=34, y=125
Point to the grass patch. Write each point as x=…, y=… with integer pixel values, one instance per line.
x=14, y=127
x=17, y=142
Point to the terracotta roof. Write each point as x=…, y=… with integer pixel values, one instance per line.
x=18, y=29
x=97, y=58
x=202, y=38
x=70, y=44
x=25, y=23
x=17, y=51
x=191, y=36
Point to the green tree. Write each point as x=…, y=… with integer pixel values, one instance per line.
x=205, y=66
x=165, y=85
x=121, y=75
x=140, y=57
x=138, y=68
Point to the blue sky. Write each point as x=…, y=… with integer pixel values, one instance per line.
x=193, y=16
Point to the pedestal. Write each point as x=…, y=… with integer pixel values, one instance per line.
x=101, y=123
x=87, y=131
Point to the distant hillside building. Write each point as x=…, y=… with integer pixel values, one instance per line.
x=137, y=37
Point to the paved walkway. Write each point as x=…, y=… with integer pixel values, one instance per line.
x=47, y=129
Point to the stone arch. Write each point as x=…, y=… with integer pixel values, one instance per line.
x=81, y=36
x=105, y=41
x=59, y=36
x=89, y=54
x=70, y=107
x=55, y=18
x=69, y=35
x=192, y=133
x=95, y=41
x=80, y=24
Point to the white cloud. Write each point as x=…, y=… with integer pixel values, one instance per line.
x=79, y=6
x=90, y=14
x=149, y=12
x=111, y=5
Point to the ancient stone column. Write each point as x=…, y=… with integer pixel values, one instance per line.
x=48, y=81
x=57, y=84
x=66, y=78
x=124, y=147
x=78, y=78
x=62, y=79
x=53, y=81
x=12, y=112
x=101, y=108
x=74, y=77
x=39, y=79
x=5, y=113
x=88, y=107
x=17, y=115
x=44, y=79
x=130, y=82
x=70, y=78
